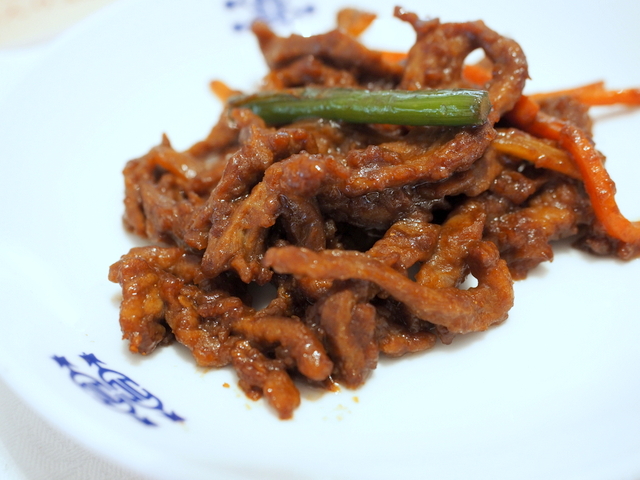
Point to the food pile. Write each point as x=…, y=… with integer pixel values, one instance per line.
x=367, y=231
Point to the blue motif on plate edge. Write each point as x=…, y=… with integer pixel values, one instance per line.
x=116, y=390
x=269, y=11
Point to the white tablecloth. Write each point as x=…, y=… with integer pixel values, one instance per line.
x=30, y=449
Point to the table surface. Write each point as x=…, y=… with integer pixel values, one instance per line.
x=31, y=449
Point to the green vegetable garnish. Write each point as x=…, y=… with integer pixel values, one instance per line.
x=398, y=107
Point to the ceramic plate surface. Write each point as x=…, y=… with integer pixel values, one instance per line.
x=552, y=393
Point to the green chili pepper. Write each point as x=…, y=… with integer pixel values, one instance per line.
x=398, y=107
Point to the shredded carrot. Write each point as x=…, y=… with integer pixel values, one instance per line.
x=524, y=112
x=476, y=74
x=595, y=94
x=354, y=22
x=598, y=184
x=221, y=90
x=572, y=92
x=630, y=97
x=393, y=57
x=527, y=116
x=535, y=150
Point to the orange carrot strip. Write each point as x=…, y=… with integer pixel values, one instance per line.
x=524, y=112
x=527, y=147
x=629, y=96
x=527, y=116
x=476, y=74
x=572, y=92
x=354, y=22
x=221, y=90
x=546, y=126
x=599, y=185
x=393, y=57
x=595, y=94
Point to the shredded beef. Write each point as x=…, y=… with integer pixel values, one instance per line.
x=367, y=232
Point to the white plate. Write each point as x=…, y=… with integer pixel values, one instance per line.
x=552, y=393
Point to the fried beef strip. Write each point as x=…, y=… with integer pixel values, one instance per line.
x=368, y=232
x=455, y=309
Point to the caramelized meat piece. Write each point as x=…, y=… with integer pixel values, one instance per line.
x=145, y=275
x=450, y=307
x=367, y=232
x=334, y=48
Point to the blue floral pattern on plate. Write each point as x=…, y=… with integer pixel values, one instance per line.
x=269, y=11
x=116, y=390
